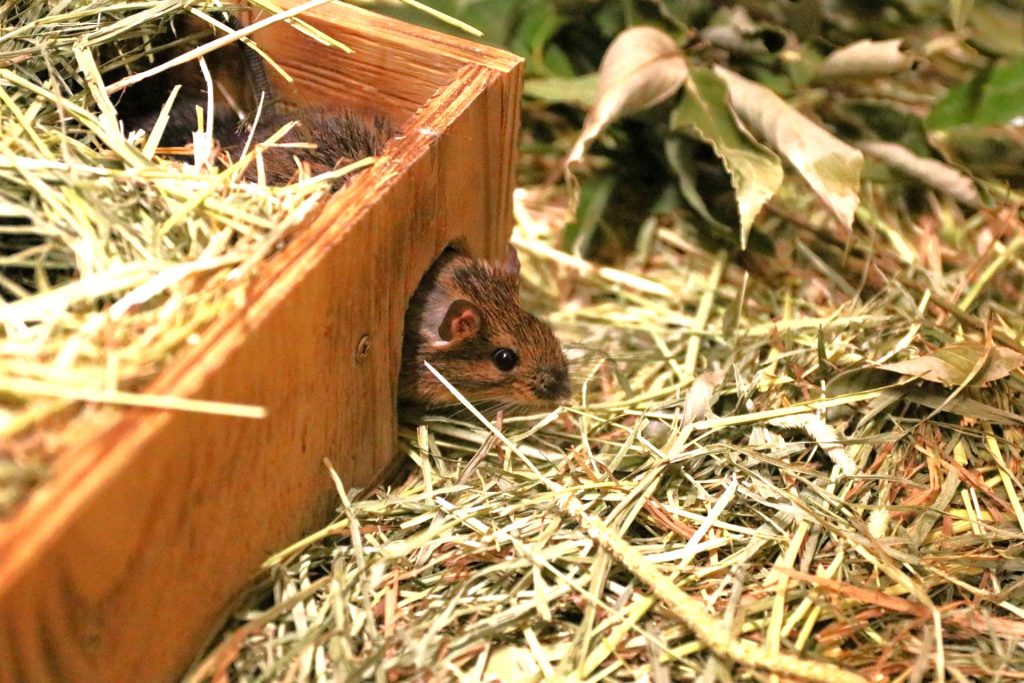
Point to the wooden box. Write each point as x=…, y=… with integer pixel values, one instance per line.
x=123, y=566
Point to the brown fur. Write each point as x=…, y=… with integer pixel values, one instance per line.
x=341, y=137
x=541, y=376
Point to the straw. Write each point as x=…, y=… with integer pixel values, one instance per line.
x=818, y=519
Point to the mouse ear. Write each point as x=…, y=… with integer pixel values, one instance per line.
x=511, y=263
x=462, y=321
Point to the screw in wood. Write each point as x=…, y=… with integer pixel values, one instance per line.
x=363, y=348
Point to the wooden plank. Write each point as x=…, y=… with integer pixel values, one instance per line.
x=393, y=67
x=124, y=565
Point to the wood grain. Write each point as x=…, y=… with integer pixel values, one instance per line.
x=393, y=67
x=124, y=565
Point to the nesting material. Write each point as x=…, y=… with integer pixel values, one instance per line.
x=735, y=440
x=114, y=255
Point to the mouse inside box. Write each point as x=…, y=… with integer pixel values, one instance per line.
x=218, y=109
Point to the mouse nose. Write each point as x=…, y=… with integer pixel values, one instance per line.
x=552, y=384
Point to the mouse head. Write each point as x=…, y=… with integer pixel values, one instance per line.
x=474, y=331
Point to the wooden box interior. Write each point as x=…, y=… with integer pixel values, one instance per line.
x=127, y=561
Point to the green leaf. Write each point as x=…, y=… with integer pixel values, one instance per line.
x=557, y=62
x=985, y=151
x=992, y=98
x=537, y=28
x=594, y=195
x=755, y=171
x=680, y=12
x=580, y=90
x=888, y=122
x=680, y=159
x=799, y=70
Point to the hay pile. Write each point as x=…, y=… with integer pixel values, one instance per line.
x=734, y=432
x=823, y=448
x=112, y=256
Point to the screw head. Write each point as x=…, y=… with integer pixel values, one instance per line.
x=363, y=348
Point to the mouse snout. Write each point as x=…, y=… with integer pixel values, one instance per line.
x=552, y=384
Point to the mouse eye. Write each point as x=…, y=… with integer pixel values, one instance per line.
x=505, y=359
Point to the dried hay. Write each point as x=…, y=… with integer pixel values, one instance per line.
x=734, y=446
x=737, y=440
x=113, y=256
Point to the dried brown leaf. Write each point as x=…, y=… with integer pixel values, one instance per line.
x=931, y=172
x=866, y=59
x=700, y=399
x=955, y=364
x=642, y=67
x=830, y=166
x=755, y=171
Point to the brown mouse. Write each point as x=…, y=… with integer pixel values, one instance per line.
x=340, y=136
x=465, y=319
